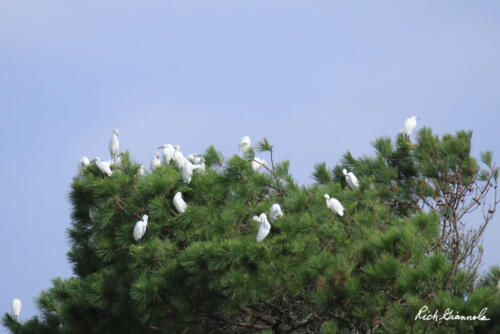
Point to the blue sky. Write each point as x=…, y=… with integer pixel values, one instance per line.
x=315, y=77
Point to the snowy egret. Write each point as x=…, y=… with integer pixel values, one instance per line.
x=104, y=166
x=155, y=162
x=191, y=158
x=275, y=212
x=16, y=307
x=187, y=171
x=141, y=170
x=409, y=125
x=334, y=205
x=351, y=179
x=201, y=163
x=114, y=144
x=178, y=157
x=245, y=144
x=257, y=163
x=140, y=227
x=179, y=203
x=167, y=153
x=264, y=227
x=84, y=162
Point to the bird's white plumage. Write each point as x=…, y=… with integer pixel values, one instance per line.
x=264, y=227
x=140, y=227
x=155, y=162
x=257, y=163
x=114, y=144
x=179, y=203
x=104, y=166
x=275, y=212
x=187, y=170
x=142, y=170
x=409, y=125
x=167, y=153
x=334, y=205
x=84, y=162
x=178, y=157
x=351, y=179
x=16, y=307
x=245, y=144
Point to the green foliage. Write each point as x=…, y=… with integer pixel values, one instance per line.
x=202, y=271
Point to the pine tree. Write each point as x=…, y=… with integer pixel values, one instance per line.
x=402, y=244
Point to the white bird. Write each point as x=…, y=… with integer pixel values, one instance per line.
x=93, y=214
x=191, y=158
x=167, y=153
x=202, y=168
x=409, y=125
x=178, y=157
x=114, y=144
x=16, y=307
x=334, y=205
x=264, y=227
x=104, y=166
x=140, y=227
x=257, y=163
x=141, y=170
x=351, y=179
x=84, y=162
x=187, y=171
x=275, y=212
x=245, y=144
x=155, y=162
x=179, y=203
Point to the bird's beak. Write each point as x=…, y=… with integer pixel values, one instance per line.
x=93, y=160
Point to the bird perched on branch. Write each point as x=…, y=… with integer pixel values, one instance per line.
x=140, y=227
x=114, y=145
x=275, y=212
x=334, y=205
x=179, y=203
x=351, y=179
x=167, y=153
x=16, y=308
x=264, y=227
x=104, y=166
x=245, y=144
x=155, y=162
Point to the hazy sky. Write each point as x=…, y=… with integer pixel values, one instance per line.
x=315, y=77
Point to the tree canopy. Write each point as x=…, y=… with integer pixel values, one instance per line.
x=402, y=243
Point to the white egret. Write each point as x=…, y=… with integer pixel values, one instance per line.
x=141, y=170
x=104, y=166
x=187, y=171
x=114, y=144
x=140, y=227
x=275, y=212
x=16, y=308
x=179, y=203
x=84, y=162
x=245, y=144
x=409, y=125
x=155, y=162
x=264, y=227
x=257, y=163
x=334, y=205
x=178, y=157
x=202, y=168
x=167, y=153
x=351, y=179
x=191, y=158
